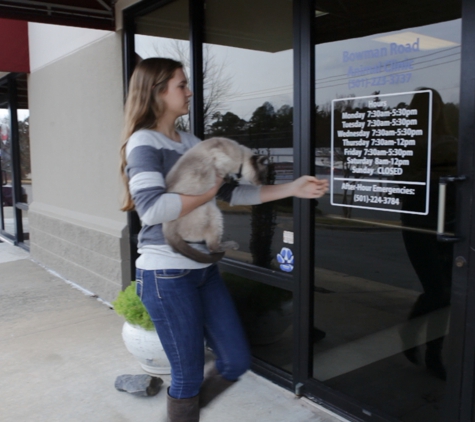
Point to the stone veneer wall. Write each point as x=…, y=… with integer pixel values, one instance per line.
x=90, y=258
x=76, y=116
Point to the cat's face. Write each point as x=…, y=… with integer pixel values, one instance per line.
x=255, y=170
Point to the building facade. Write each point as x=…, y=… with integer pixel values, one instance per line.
x=361, y=301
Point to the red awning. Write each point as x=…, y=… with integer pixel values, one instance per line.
x=14, y=53
x=97, y=14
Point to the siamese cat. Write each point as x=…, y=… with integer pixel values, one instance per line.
x=194, y=174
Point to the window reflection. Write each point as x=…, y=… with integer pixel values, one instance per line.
x=13, y=219
x=8, y=222
x=266, y=313
x=248, y=97
x=25, y=168
x=164, y=33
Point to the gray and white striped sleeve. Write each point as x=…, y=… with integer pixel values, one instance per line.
x=146, y=181
x=246, y=195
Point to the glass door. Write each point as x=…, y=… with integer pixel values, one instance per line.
x=7, y=225
x=387, y=116
x=15, y=169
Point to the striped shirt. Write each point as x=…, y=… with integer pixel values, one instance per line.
x=150, y=156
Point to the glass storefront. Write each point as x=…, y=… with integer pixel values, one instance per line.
x=15, y=159
x=25, y=169
x=7, y=224
x=164, y=33
x=362, y=323
x=258, y=115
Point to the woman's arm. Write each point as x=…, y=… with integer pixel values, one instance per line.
x=307, y=187
x=303, y=187
x=190, y=202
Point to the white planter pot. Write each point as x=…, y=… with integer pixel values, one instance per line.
x=147, y=349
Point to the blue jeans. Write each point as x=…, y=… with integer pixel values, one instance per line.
x=187, y=307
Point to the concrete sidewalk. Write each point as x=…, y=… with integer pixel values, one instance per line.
x=61, y=351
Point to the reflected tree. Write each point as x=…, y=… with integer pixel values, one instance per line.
x=229, y=125
x=263, y=223
x=217, y=84
x=262, y=126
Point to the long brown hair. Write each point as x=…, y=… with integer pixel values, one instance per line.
x=143, y=107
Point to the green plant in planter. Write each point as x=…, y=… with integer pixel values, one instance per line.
x=129, y=305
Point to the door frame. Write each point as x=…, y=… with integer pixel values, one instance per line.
x=461, y=380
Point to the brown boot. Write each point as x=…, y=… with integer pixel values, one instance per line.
x=183, y=410
x=213, y=385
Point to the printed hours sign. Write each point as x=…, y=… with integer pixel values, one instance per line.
x=380, y=151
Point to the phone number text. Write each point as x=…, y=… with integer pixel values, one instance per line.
x=399, y=78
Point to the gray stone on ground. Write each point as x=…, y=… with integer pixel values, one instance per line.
x=140, y=385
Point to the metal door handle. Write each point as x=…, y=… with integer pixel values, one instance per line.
x=441, y=235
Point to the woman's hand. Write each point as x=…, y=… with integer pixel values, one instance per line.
x=214, y=190
x=309, y=187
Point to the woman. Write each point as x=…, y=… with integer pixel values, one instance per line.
x=187, y=301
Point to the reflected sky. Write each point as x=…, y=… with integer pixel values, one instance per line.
x=433, y=62
x=258, y=76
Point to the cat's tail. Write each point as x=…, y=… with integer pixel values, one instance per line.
x=181, y=246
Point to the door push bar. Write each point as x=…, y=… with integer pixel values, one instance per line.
x=441, y=235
